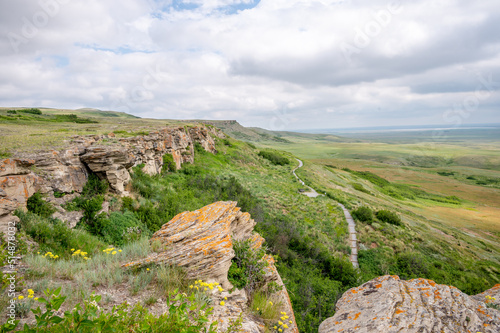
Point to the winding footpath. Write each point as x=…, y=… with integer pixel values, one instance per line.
x=353, y=241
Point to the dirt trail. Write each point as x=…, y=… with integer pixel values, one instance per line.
x=350, y=221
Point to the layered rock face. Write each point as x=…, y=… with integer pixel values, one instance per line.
x=17, y=184
x=388, y=304
x=202, y=243
x=66, y=170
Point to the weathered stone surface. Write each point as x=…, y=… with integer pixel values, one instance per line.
x=70, y=218
x=17, y=184
x=490, y=296
x=388, y=304
x=63, y=171
x=110, y=163
x=202, y=243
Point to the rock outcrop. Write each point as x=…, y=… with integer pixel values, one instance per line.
x=202, y=243
x=388, y=304
x=66, y=170
x=17, y=184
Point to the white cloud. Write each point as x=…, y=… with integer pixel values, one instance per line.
x=280, y=61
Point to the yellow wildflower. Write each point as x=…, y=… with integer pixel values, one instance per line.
x=21, y=297
x=113, y=253
x=280, y=323
x=222, y=303
x=271, y=303
x=285, y=326
x=280, y=330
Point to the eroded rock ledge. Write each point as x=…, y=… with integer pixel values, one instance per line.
x=388, y=304
x=202, y=243
x=66, y=170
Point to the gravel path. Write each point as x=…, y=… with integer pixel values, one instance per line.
x=350, y=221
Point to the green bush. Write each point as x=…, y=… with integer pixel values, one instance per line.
x=249, y=268
x=363, y=214
x=388, y=217
x=168, y=164
x=55, y=236
x=31, y=111
x=121, y=228
x=359, y=187
x=274, y=158
x=94, y=186
x=37, y=205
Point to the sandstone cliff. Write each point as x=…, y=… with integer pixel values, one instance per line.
x=388, y=304
x=66, y=170
x=202, y=243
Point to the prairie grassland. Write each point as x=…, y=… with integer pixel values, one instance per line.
x=469, y=230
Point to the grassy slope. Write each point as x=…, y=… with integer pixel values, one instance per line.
x=465, y=236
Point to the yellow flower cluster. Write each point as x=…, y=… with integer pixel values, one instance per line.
x=282, y=323
x=200, y=285
x=111, y=250
x=80, y=253
x=490, y=299
x=31, y=294
x=204, y=286
x=50, y=255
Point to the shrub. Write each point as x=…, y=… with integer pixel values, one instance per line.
x=31, y=111
x=359, y=187
x=249, y=271
x=38, y=206
x=93, y=223
x=55, y=236
x=94, y=186
x=363, y=214
x=388, y=217
x=274, y=158
x=120, y=228
x=168, y=164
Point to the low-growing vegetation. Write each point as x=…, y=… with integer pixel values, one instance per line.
x=273, y=157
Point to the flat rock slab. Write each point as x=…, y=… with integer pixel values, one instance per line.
x=388, y=304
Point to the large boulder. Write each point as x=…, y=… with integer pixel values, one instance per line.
x=388, y=304
x=202, y=243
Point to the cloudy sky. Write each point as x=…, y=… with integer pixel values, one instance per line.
x=276, y=64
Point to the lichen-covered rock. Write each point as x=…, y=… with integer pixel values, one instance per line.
x=388, y=304
x=202, y=243
x=490, y=296
x=17, y=184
